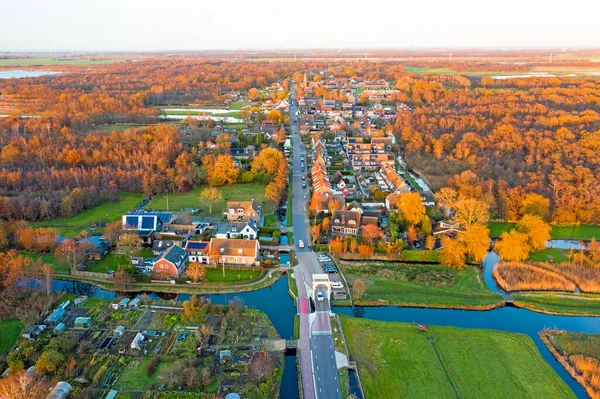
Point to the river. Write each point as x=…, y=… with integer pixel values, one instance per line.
x=18, y=74
x=277, y=304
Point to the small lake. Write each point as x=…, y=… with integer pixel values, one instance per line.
x=18, y=74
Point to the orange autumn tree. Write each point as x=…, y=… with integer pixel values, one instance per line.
x=411, y=207
x=513, y=246
x=371, y=233
x=366, y=250
x=476, y=240
x=336, y=245
x=537, y=231
x=452, y=253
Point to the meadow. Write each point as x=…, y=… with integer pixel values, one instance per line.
x=576, y=232
x=397, y=360
x=559, y=303
x=11, y=330
x=402, y=284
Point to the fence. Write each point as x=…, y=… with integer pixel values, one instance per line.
x=100, y=276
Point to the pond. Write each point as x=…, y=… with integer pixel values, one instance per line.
x=18, y=74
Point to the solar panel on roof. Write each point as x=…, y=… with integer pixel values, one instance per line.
x=147, y=222
x=132, y=221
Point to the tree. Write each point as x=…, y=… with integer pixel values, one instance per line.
x=476, y=239
x=365, y=250
x=223, y=172
x=122, y=280
x=535, y=204
x=426, y=226
x=371, y=233
x=487, y=81
x=336, y=245
x=253, y=94
x=326, y=223
x=513, y=246
x=20, y=385
x=260, y=366
x=315, y=233
x=268, y=162
x=470, y=211
x=411, y=234
x=195, y=271
x=593, y=250
x=358, y=288
x=131, y=243
x=452, y=253
x=446, y=197
x=49, y=362
x=333, y=205
x=71, y=253
x=537, y=231
x=113, y=231
x=411, y=207
x=223, y=143
x=430, y=242
x=210, y=196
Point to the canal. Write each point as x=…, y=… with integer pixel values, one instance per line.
x=277, y=304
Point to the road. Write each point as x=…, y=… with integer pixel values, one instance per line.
x=316, y=348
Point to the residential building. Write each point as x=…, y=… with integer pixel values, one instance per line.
x=160, y=246
x=171, y=263
x=345, y=223
x=242, y=211
x=236, y=252
x=99, y=251
x=197, y=251
x=447, y=227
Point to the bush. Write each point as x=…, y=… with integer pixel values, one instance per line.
x=142, y=278
x=151, y=368
x=276, y=234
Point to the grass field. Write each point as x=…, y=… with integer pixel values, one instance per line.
x=560, y=303
x=234, y=192
x=216, y=275
x=423, y=70
x=11, y=329
x=397, y=361
x=49, y=259
x=112, y=261
x=108, y=211
x=271, y=221
x=49, y=61
x=135, y=376
x=577, y=232
x=421, y=285
x=554, y=255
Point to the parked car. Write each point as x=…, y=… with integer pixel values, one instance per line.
x=324, y=258
x=320, y=297
x=303, y=184
x=417, y=245
x=300, y=244
x=337, y=285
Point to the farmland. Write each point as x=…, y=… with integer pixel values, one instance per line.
x=398, y=360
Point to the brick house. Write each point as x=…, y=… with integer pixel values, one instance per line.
x=171, y=263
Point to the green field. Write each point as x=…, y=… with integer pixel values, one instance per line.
x=554, y=255
x=271, y=221
x=109, y=211
x=421, y=285
x=49, y=61
x=423, y=70
x=49, y=259
x=134, y=376
x=184, y=112
x=577, y=232
x=397, y=361
x=234, y=192
x=231, y=274
x=112, y=261
x=560, y=303
x=11, y=329
x=578, y=343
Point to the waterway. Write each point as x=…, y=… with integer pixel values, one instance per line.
x=277, y=304
x=18, y=74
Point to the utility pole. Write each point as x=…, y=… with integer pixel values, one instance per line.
x=167, y=201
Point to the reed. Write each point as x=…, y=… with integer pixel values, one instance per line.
x=526, y=277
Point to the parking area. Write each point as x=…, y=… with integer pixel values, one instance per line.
x=337, y=283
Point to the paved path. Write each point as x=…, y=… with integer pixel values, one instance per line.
x=317, y=353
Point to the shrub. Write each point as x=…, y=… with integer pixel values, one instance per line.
x=151, y=368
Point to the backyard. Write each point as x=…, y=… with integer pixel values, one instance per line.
x=401, y=284
x=397, y=360
x=109, y=211
x=191, y=199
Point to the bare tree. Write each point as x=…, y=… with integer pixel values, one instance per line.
x=71, y=253
x=260, y=367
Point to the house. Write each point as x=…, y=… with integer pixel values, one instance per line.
x=242, y=211
x=231, y=251
x=144, y=225
x=143, y=265
x=99, y=251
x=428, y=198
x=83, y=322
x=345, y=223
x=247, y=229
x=59, y=329
x=447, y=227
x=371, y=161
x=33, y=331
x=135, y=303
x=243, y=153
x=171, y=263
x=137, y=341
x=197, y=251
x=159, y=246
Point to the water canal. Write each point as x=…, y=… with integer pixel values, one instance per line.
x=277, y=304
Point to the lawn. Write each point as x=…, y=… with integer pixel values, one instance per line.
x=134, y=377
x=577, y=232
x=48, y=61
x=48, y=259
x=109, y=211
x=396, y=360
x=234, y=192
x=11, y=329
x=112, y=261
x=216, y=275
x=421, y=285
x=271, y=221
x=560, y=303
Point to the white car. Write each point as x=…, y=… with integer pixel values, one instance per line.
x=324, y=258
x=300, y=244
x=337, y=285
x=320, y=297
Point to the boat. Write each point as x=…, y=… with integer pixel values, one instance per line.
x=423, y=327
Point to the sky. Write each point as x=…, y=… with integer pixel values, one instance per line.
x=152, y=25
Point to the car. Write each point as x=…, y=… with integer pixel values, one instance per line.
x=303, y=184
x=303, y=177
x=417, y=245
x=337, y=285
x=302, y=169
x=320, y=297
x=300, y=244
x=324, y=258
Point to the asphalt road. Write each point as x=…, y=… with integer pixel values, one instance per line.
x=317, y=356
